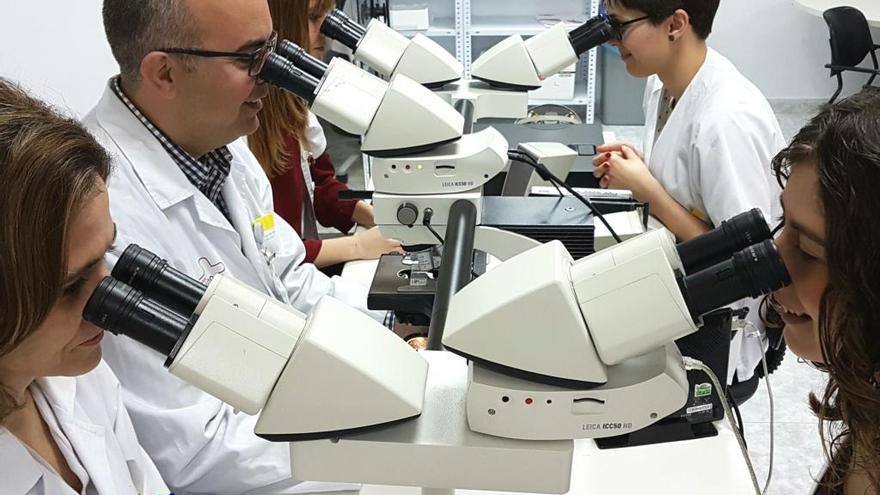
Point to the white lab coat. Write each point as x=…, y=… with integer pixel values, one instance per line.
x=87, y=413
x=714, y=158
x=199, y=443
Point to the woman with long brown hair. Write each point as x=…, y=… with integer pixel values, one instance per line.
x=831, y=310
x=63, y=427
x=291, y=147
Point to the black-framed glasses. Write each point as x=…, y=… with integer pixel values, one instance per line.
x=620, y=28
x=255, y=59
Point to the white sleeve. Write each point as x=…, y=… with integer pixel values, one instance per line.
x=315, y=135
x=730, y=166
x=304, y=283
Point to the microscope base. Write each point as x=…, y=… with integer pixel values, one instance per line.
x=437, y=450
x=639, y=392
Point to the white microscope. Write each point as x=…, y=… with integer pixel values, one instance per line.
x=359, y=405
x=422, y=160
x=501, y=76
x=391, y=53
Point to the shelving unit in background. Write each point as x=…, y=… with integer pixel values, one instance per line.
x=466, y=28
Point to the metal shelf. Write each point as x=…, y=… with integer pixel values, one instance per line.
x=457, y=20
x=505, y=26
x=440, y=27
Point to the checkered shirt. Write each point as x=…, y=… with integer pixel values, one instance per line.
x=207, y=173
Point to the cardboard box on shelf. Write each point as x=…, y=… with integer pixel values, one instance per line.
x=410, y=17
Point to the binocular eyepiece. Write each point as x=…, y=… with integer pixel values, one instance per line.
x=341, y=28
x=594, y=32
x=733, y=261
x=751, y=272
x=123, y=310
x=732, y=235
x=145, y=299
x=296, y=55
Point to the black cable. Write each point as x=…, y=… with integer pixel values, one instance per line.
x=738, y=414
x=559, y=191
x=545, y=174
x=426, y=221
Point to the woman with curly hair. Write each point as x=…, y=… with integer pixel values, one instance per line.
x=829, y=242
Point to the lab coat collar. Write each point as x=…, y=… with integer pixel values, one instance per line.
x=18, y=477
x=161, y=177
x=699, y=85
x=712, y=58
x=83, y=434
x=656, y=85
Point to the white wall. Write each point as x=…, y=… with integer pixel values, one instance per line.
x=57, y=48
x=780, y=47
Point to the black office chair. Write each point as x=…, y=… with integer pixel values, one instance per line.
x=851, y=42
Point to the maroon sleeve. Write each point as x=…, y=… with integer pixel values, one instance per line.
x=329, y=210
x=313, y=247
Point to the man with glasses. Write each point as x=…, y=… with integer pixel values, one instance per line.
x=186, y=187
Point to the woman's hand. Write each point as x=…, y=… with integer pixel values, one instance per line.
x=626, y=169
x=615, y=147
x=363, y=214
x=369, y=244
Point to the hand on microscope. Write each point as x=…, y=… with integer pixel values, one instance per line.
x=370, y=244
x=619, y=166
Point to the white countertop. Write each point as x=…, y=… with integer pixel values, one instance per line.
x=871, y=8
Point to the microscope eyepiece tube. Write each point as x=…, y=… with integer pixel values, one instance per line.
x=751, y=272
x=280, y=72
x=123, y=310
x=152, y=276
x=298, y=56
x=591, y=34
x=720, y=243
x=341, y=28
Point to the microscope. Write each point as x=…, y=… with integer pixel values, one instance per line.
x=501, y=76
x=420, y=171
x=521, y=65
x=359, y=405
x=390, y=53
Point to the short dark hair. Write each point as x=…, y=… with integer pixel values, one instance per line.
x=135, y=28
x=701, y=12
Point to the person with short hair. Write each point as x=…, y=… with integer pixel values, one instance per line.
x=187, y=188
x=291, y=146
x=829, y=243
x=63, y=427
x=709, y=133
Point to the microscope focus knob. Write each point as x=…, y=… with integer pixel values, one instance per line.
x=407, y=214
